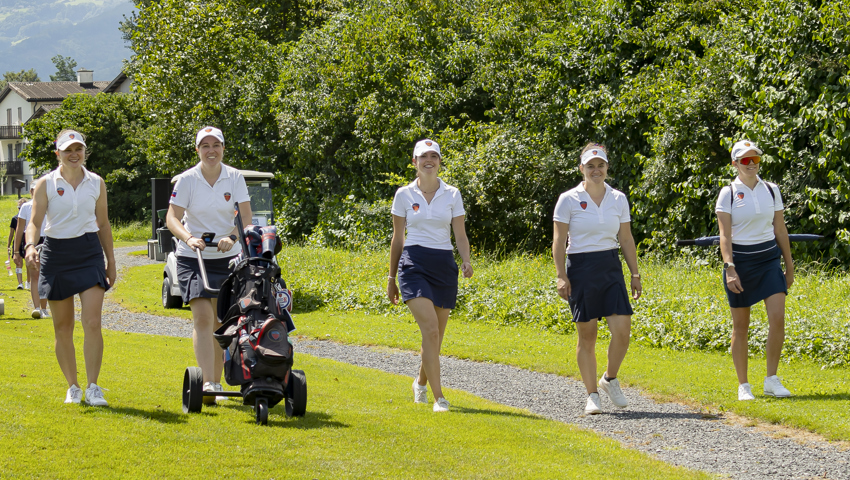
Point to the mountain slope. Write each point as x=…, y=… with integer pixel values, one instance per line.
x=33, y=31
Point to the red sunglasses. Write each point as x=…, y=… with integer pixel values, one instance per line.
x=747, y=160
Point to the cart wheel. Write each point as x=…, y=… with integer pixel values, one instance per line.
x=2, y=307
x=296, y=401
x=193, y=390
x=262, y=409
x=169, y=300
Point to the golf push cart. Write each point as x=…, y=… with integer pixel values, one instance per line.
x=254, y=308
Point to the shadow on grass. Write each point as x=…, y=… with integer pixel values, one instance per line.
x=157, y=415
x=839, y=397
x=305, y=302
x=487, y=411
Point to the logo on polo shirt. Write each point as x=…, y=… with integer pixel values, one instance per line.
x=227, y=196
x=60, y=191
x=740, y=195
x=174, y=194
x=415, y=207
x=583, y=205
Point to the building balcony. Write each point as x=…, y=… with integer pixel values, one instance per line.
x=13, y=168
x=10, y=132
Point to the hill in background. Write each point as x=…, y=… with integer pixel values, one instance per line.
x=33, y=31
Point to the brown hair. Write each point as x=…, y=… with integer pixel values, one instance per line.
x=594, y=145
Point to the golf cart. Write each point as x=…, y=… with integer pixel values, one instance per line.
x=259, y=188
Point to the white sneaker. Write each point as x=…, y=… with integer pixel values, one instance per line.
x=420, y=392
x=209, y=387
x=27, y=285
x=20, y=286
x=36, y=313
x=612, y=389
x=592, y=407
x=441, y=405
x=773, y=388
x=218, y=388
x=94, y=396
x=74, y=394
x=745, y=392
x=44, y=313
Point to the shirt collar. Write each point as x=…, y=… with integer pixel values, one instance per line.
x=415, y=186
x=738, y=181
x=86, y=176
x=221, y=176
x=580, y=187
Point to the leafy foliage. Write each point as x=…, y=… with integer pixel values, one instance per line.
x=64, y=69
x=111, y=124
x=22, y=76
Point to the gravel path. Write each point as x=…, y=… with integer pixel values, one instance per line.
x=670, y=432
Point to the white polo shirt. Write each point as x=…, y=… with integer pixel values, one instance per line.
x=428, y=225
x=25, y=213
x=592, y=228
x=70, y=212
x=752, y=210
x=209, y=208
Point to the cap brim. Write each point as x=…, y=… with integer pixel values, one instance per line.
x=585, y=160
x=749, y=152
x=67, y=144
x=200, y=140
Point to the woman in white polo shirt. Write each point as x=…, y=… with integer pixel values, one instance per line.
x=39, y=304
x=752, y=237
x=427, y=273
x=593, y=216
x=202, y=201
x=72, y=202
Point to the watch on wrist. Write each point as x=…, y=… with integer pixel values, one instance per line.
x=233, y=237
x=728, y=265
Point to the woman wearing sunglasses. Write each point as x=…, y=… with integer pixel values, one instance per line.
x=752, y=237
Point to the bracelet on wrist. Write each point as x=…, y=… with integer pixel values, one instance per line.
x=635, y=275
x=28, y=245
x=390, y=277
x=187, y=240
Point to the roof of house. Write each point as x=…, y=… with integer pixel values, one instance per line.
x=50, y=91
x=115, y=84
x=44, y=109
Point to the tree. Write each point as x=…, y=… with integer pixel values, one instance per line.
x=112, y=126
x=64, y=69
x=22, y=76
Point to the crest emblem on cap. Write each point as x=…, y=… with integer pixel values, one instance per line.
x=60, y=191
x=208, y=130
x=748, y=144
x=415, y=207
x=71, y=136
x=583, y=205
x=740, y=195
x=227, y=196
x=428, y=142
x=595, y=152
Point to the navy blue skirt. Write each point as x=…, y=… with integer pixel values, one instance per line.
x=189, y=276
x=597, y=286
x=430, y=273
x=759, y=271
x=70, y=266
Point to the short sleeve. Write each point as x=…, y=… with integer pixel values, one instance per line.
x=24, y=214
x=625, y=214
x=398, y=205
x=240, y=190
x=457, y=208
x=14, y=223
x=562, y=209
x=724, y=201
x=182, y=193
x=777, y=202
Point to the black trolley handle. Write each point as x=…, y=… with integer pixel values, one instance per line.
x=242, y=241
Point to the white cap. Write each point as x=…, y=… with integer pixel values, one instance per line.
x=69, y=138
x=742, y=147
x=593, y=153
x=208, y=132
x=424, y=146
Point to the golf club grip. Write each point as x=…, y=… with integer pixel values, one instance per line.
x=241, y=227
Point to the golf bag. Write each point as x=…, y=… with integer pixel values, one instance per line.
x=253, y=307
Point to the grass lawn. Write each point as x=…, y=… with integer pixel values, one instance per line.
x=360, y=423
x=697, y=377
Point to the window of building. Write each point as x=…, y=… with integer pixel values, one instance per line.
x=8, y=116
x=20, y=116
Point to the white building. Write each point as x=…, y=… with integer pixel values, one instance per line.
x=21, y=101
